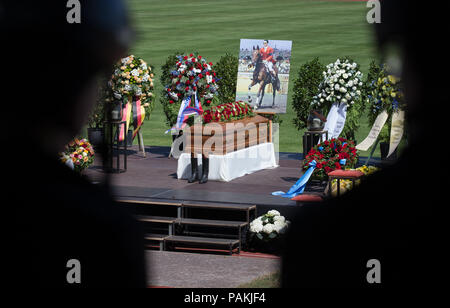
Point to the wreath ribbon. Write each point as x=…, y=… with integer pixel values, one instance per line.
x=300, y=185
x=126, y=116
x=138, y=116
x=186, y=110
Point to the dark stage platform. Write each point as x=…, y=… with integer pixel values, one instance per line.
x=154, y=176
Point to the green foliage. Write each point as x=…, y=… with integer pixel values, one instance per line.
x=170, y=110
x=305, y=87
x=227, y=70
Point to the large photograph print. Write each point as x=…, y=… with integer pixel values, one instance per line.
x=263, y=74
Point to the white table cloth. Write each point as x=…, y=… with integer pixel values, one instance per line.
x=231, y=165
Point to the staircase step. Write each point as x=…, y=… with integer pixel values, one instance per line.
x=219, y=205
x=201, y=240
x=212, y=223
x=156, y=219
x=149, y=201
x=155, y=237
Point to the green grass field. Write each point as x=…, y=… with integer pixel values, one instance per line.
x=317, y=28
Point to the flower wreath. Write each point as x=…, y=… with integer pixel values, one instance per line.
x=133, y=77
x=192, y=74
x=333, y=154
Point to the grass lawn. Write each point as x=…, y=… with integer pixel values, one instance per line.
x=214, y=27
x=268, y=281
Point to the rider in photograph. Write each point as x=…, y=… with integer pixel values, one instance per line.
x=269, y=61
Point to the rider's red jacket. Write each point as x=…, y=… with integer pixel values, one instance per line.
x=267, y=54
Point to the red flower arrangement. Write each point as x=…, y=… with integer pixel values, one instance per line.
x=329, y=156
x=227, y=112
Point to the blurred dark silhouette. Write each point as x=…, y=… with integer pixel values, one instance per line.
x=49, y=79
x=393, y=215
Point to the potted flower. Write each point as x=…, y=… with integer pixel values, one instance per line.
x=267, y=231
x=95, y=130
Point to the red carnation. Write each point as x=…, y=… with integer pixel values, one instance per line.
x=171, y=102
x=168, y=89
x=188, y=82
x=200, y=76
x=208, y=102
x=191, y=55
x=200, y=57
x=210, y=63
x=185, y=57
x=187, y=89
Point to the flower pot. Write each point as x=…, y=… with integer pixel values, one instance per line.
x=95, y=136
x=384, y=151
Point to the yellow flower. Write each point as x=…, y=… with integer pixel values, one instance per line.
x=122, y=68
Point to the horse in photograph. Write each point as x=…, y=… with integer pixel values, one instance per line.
x=262, y=76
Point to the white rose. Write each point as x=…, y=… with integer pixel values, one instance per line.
x=268, y=228
x=344, y=100
x=347, y=96
x=358, y=92
x=343, y=90
x=279, y=219
x=345, y=76
x=350, y=84
x=336, y=87
x=273, y=213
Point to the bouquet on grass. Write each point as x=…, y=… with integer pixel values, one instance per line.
x=269, y=226
x=228, y=112
x=79, y=154
x=333, y=154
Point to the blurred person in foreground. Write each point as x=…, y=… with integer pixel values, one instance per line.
x=51, y=68
x=393, y=215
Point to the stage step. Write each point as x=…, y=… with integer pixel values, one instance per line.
x=192, y=219
x=156, y=238
x=229, y=244
x=156, y=219
x=212, y=223
x=219, y=205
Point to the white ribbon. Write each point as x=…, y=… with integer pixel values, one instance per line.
x=374, y=132
x=398, y=119
x=336, y=120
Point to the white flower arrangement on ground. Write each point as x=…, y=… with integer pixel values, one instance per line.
x=342, y=83
x=269, y=226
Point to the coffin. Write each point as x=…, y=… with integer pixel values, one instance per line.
x=220, y=138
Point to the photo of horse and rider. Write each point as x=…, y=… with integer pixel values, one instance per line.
x=263, y=74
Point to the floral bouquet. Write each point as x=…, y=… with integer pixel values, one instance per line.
x=133, y=77
x=342, y=83
x=347, y=185
x=269, y=226
x=78, y=154
x=192, y=74
x=228, y=112
x=338, y=153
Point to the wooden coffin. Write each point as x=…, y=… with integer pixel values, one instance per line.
x=220, y=138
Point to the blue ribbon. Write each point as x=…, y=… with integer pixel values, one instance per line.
x=299, y=186
x=343, y=161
